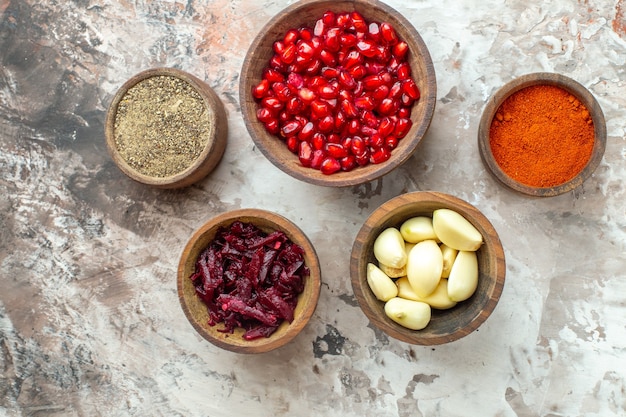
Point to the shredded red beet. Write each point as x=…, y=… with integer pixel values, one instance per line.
x=250, y=279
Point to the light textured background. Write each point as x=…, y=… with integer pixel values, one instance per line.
x=90, y=323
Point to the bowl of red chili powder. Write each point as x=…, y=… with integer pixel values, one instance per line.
x=249, y=280
x=337, y=93
x=542, y=134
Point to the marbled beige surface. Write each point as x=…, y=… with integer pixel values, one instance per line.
x=90, y=323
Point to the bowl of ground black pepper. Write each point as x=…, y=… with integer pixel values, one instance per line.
x=542, y=134
x=166, y=128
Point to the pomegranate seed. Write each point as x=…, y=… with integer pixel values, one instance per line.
x=326, y=124
x=319, y=141
x=329, y=73
x=320, y=108
x=307, y=95
x=314, y=67
x=363, y=158
x=380, y=92
x=328, y=91
x=364, y=103
x=331, y=39
x=367, y=48
x=264, y=115
x=374, y=68
x=358, y=72
x=352, y=59
x=261, y=89
x=328, y=18
x=291, y=36
x=290, y=129
x=278, y=47
x=305, y=154
x=406, y=100
x=388, y=33
x=386, y=126
x=277, y=63
x=358, y=146
x=346, y=142
x=403, y=125
x=289, y=53
x=328, y=58
x=292, y=144
x=391, y=142
x=346, y=80
x=330, y=166
x=349, y=109
x=354, y=127
x=272, y=76
x=335, y=150
x=348, y=163
x=388, y=106
x=318, y=157
x=333, y=138
x=369, y=119
x=373, y=31
x=348, y=40
x=375, y=141
x=294, y=105
x=272, y=126
x=371, y=82
x=404, y=112
x=307, y=132
x=395, y=91
x=295, y=80
x=404, y=71
x=306, y=33
x=273, y=104
x=400, y=50
x=282, y=91
x=318, y=30
x=410, y=89
x=340, y=120
x=343, y=20
x=380, y=155
x=316, y=82
x=368, y=131
x=358, y=22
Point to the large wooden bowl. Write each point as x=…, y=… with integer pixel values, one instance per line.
x=306, y=13
x=196, y=311
x=215, y=141
x=551, y=79
x=446, y=325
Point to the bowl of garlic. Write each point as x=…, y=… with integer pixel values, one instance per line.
x=427, y=268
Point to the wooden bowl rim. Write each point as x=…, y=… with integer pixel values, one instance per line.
x=542, y=78
x=304, y=310
x=378, y=220
x=359, y=175
x=210, y=155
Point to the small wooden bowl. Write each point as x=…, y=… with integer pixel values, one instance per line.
x=306, y=13
x=196, y=311
x=445, y=325
x=209, y=157
x=551, y=79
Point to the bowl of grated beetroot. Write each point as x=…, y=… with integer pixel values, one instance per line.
x=338, y=93
x=249, y=280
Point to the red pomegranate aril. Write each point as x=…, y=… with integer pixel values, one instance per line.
x=329, y=73
x=273, y=76
x=373, y=31
x=404, y=71
x=386, y=126
x=406, y=100
x=294, y=105
x=367, y=48
x=264, y=115
x=307, y=132
x=340, y=120
x=306, y=33
x=319, y=141
x=358, y=145
x=314, y=67
x=391, y=142
x=371, y=82
x=369, y=119
x=282, y=91
x=295, y=81
x=400, y=50
x=343, y=20
x=291, y=36
x=395, y=91
x=374, y=68
x=380, y=155
x=328, y=58
x=364, y=102
x=336, y=150
x=363, y=158
x=388, y=106
x=290, y=128
x=277, y=63
x=305, y=154
x=332, y=40
x=319, y=28
x=404, y=112
x=326, y=124
x=333, y=138
x=348, y=163
x=358, y=72
x=388, y=33
x=289, y=54
x=358, y=89
x=403, y=125
x=318, y=157
x=346, y=142
x=316, y=82
x=358, y=22
x=328, y=91
x=320, y=108
x=307, y=95
x=380, y=93
x=305, y=49
x=272, y=126
x=348, y=40
x=278, y=47
x=411, y=89
x=329, y=166
x=329, y=18
x=349, y=109
x=292, y=144
x=392, y=64
x=354, y=126
x=272, y=104
x=346, y=80
x=375, y=141
x=352, y=59
x=261, y=89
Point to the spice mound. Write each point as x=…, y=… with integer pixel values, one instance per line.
x=542, y=136
x=161, y=126
x=250, y=279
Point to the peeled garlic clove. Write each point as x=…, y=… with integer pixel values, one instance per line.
x=439, y=299
x=456, y=231
x=417, y=229
x=389, y=248
x=381, y=285
x=413, y=315
x=424, y=267
x=449, y=255
x=393, y=272
x=463, y=279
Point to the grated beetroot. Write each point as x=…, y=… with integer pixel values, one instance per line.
x=250, y=279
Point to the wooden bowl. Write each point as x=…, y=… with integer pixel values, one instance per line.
x=215, y=133
x=575, y=89
x=306, y=13
x=196, y=311
x=445, y=325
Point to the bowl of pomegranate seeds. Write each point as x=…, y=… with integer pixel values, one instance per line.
x=427, y=268
x=249, y=280
x=338, y=93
